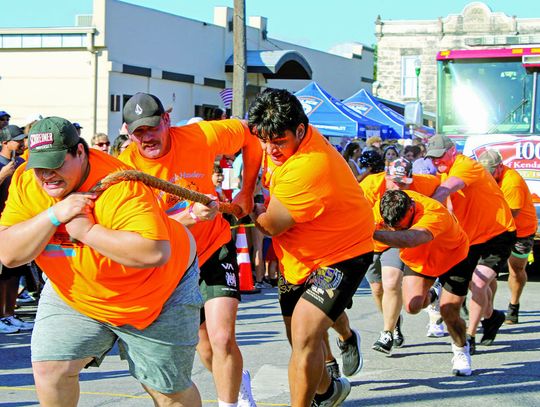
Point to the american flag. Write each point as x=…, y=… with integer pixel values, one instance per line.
x=227, y=97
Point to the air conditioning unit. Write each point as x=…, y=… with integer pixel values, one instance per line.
x=83, y=20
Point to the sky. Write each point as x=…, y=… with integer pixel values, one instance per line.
x=318, y=24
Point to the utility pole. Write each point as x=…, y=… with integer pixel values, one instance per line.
x=239, y=56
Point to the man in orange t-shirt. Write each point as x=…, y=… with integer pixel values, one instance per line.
x=516, y=192
x=385, y=275
x=117, y=268
x=185, y=156
x=479, y=205
x=432, y=244
x=321, y=227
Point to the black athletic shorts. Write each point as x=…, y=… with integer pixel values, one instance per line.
x=328, y=288
x=219, y=274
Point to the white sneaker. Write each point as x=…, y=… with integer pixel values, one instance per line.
x=435, y=330
x=7, y=327
x=19, y=323
x=461, y=362
x=245, y=397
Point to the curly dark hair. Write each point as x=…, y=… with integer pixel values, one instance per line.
x=273, y=112
x=394, y=206
x=372, y=159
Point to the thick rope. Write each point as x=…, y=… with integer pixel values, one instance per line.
x=169, y=187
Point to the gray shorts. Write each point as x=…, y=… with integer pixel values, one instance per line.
x=388, y=258
x=159, y=356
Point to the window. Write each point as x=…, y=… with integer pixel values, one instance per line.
x=408, y=76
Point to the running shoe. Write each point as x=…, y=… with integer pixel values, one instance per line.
x=19, y=323
x=342, y=388
x=332, y=368
x=471, y=340
x=398, y=335
x=7, y=327
x=351, y=355
x=245, y=396
x=512, y=314
x=25, y=298
x=384, y=343
x=435, y=330
x=491, y=326
x=461, y=362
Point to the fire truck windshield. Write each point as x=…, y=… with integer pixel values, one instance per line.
x=483, y=96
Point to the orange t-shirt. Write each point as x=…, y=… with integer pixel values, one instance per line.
x=333, y=220
x=88, y=281
x=480, y=206
x=189, y=164
x=517, y=195
x=449, y=245
x=374, y=187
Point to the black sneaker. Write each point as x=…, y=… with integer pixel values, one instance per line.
x=384, y=343
x=471, y=340
x=491, y=326
x=512, y=314
x=342, y=388
x=332, y=368
x=398, y=335
x=351, y=355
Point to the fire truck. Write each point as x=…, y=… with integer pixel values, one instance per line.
x=490, y=99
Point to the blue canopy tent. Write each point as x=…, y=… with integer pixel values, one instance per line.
x=365, y=103
x=332, y=117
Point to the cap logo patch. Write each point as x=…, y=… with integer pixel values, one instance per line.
x=138, y=110
x=41, y=140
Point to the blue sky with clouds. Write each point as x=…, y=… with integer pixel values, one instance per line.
x=318, y=24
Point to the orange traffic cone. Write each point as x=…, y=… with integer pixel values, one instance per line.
x=244, y=263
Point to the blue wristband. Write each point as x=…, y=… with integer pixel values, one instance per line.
x=52, y=217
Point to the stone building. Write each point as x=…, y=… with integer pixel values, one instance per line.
x=405, y=45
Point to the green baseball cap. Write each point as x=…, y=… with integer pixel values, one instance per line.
x=438, y=145
x=142, y=109
x=49, y=141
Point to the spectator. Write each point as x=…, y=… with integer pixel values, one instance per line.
x=352, y=154
x=78, y=127
x=411, y=153
x=120, y=144
x=100, y=141
x=4, y=119
x=390, y=154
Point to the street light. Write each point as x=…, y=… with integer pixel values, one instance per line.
x=417, y=66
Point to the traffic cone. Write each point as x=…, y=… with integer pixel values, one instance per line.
x=244, y=263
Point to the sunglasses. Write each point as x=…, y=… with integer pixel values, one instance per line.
x=103, y=144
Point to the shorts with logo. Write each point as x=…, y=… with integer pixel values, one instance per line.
x=388, y=258
x=219, y=274
x=523, y=247
x=329, y=288
x=160, y=356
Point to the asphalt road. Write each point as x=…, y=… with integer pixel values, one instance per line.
x=419, y=374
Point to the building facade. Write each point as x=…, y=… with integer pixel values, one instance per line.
x=87, y=72
x=404, y=46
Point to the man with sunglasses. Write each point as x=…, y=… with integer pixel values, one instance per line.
x=432, y=245
x=185, y=156
x=321, y=227
x=474, y=197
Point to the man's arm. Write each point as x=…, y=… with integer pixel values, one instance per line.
x=28, y=239
x=127, y=248
x=252, y=157
x=403, y=238
x=448, y=187
x=274, y=220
